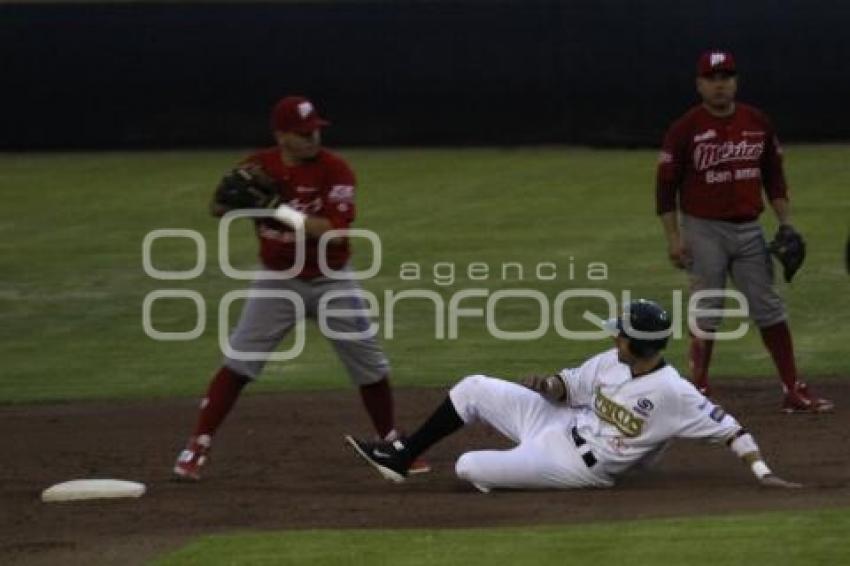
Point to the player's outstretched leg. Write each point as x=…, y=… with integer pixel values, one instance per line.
x=378, y=400
x=394, y=459
x=512, y=409
x=222, y=393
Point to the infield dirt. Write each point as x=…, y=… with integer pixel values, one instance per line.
x=280, y=463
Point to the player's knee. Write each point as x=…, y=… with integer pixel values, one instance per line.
x=249, y=370
x=709, y=325
x=464, y=467
x=772, y=319
x=464, y=393
x=471, y=382
x=706, y=322
x=765, y=315
x=466, y=386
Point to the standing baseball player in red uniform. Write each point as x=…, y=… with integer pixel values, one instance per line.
x=714, y=164
x=316, y=188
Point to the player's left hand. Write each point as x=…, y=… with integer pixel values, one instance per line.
x=679, y=255
x=549, y=386
x=772, y=480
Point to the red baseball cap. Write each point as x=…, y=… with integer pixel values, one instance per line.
x=296, y=114
x=716, y=61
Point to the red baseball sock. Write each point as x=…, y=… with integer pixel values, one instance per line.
x=378, y=400
x=222, y=393
x=700, y=358
x=777, y=339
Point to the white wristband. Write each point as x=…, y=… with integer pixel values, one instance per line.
x=760, y=469
x=290, y=216
x=743, y=445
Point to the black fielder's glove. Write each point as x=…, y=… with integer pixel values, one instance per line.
x=247, y=187
x=790, y=249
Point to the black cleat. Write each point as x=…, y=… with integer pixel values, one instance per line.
x=385, y=457
x=419, y=465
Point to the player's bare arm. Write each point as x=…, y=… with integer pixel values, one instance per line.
x=782, y=210
x=744, y=446
x=668, y=184
x=676, y=250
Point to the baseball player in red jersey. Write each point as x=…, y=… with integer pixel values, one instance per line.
x=714, y=164
x=317, y=190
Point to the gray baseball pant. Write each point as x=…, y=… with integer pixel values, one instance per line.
x=265, y=322
x=721, y=248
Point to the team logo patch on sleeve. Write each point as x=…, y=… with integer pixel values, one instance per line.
x=717, y=414
x=643, y=407
x=341, y=193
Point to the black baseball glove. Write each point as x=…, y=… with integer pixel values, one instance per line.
x=247, y=187
x=790, y=249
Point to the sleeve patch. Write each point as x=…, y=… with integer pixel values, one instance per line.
x=665, y=157
x=717, y=414
x=341, y=193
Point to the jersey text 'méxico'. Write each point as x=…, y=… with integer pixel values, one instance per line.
x=627, y=420
x=717, y=167
x=323, y=186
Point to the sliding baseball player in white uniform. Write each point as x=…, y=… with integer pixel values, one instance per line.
x=582, y=427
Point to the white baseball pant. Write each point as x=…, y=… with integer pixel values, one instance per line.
x=546, y=456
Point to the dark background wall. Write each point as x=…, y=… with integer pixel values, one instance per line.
x=603, y=72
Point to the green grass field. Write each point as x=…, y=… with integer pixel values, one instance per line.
x=72, y=288
x=747, y=540
x=72, y=281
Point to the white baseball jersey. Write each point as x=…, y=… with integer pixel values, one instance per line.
x=626, y=419
x=621, y=421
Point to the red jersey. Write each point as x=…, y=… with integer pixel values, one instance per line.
x=323, y=186
x=717, y=167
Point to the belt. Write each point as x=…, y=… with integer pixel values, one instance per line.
x=587, y=456
x=741, y=219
